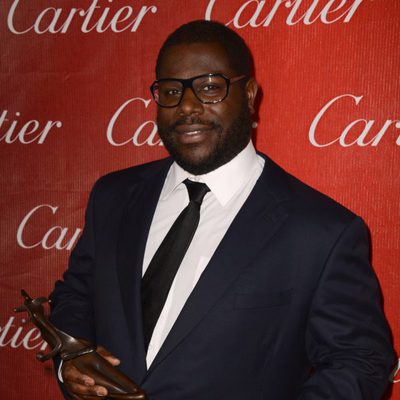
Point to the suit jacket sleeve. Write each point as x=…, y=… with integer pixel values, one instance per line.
x=71, y=300
x=347, y=338
x=71, y=306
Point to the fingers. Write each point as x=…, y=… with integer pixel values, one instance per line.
x=108, y=356
x=71, y=374
x=79, y=384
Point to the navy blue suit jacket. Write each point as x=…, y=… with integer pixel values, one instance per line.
x=288, y=307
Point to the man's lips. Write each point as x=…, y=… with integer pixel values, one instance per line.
x=193, y=133
x=193, y=128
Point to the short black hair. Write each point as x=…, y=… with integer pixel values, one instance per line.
x=202, y=31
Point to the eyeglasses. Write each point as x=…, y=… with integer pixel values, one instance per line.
x=208, y=89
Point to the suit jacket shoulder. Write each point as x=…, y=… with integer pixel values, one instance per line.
x=303, y=201
x=116, y=187
x=134, y=174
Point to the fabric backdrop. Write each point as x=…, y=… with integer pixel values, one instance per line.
x=75, y=104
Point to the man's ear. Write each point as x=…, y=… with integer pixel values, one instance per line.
x=251, y=92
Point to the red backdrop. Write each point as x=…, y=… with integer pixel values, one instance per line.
x=75, y=104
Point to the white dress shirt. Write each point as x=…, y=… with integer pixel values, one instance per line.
x=230, y=185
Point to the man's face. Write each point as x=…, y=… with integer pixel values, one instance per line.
x=202, y=137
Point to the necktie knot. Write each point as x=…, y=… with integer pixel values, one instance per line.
x=196, y=190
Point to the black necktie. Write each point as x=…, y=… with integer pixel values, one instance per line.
x=162, y=269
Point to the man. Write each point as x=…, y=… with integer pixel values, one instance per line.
x=273, y=297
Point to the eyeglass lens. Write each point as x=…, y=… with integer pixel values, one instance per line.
x=208, y=89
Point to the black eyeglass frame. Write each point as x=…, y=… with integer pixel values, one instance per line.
x=188, y=84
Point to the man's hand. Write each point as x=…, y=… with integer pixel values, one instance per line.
x=79, y=384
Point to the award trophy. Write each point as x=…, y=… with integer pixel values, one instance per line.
x=82, y=355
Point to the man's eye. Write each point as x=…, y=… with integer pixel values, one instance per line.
x=210, y=88
x=171, y=92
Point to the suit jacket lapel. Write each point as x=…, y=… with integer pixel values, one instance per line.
x=134, y=229
x=257, y=221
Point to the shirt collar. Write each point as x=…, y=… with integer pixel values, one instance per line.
x=223, y=182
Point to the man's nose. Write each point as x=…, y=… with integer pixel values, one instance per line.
x=190, y=104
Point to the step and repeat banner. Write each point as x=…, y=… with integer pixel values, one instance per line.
x=75, y=104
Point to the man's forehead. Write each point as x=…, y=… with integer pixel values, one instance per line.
x=190, y=59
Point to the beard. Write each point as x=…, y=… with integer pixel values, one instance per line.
x=228, y=145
